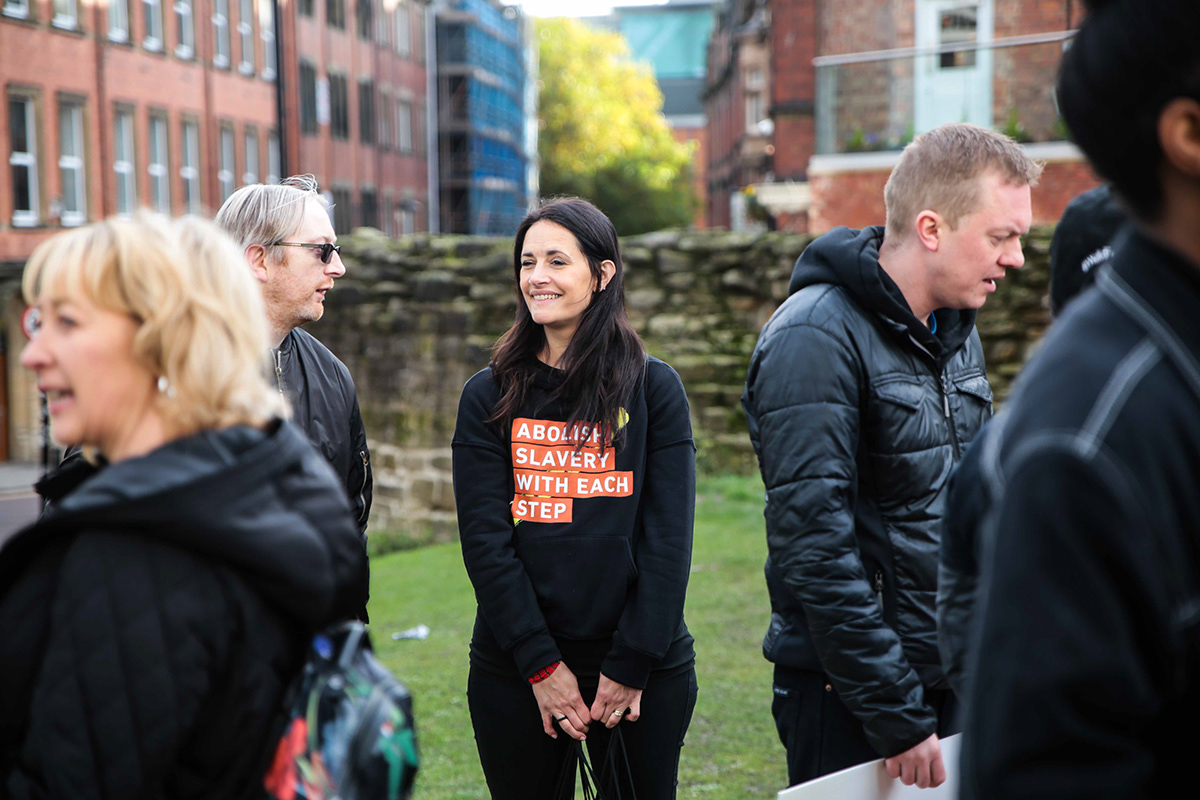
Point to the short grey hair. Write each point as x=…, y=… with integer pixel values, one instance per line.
x=267, y=213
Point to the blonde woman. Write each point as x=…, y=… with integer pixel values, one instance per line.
x=150, y=621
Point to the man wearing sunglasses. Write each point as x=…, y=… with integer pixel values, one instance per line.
x=291, y=247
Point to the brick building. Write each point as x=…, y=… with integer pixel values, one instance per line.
x=119, y=104
x=851, y=82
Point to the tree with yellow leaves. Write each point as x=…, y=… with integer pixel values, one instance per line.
x=602, y=135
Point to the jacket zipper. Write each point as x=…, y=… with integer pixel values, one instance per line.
x=278, y=369
x=879, y=588
x=945, y=387
x=362, y=491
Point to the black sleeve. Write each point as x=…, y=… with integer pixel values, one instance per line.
x=483, y=493
x=139, y=634
x=803, y=393
x=1070, y=674
x=663, y=551
x=359, y=481
x=958, y=567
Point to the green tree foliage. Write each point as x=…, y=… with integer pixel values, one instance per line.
x=602, y=134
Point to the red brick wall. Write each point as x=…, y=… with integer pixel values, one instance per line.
x=855, y=199
x=699, y=168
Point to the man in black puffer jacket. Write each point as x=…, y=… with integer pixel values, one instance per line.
x=864, y=390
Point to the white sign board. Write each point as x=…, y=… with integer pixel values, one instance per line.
x=870, y=781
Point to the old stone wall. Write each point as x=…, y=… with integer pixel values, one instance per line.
x=413, y=319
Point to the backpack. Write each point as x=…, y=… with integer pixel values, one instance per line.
x=348, y=732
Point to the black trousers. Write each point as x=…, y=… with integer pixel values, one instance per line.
x=520, y=762
x=821, y=735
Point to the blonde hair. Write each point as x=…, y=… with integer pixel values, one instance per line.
x=940, y=171
x=200, y=317
x=268, y=213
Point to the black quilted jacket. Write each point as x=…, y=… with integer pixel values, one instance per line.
x=151, y=620
x=858, y=414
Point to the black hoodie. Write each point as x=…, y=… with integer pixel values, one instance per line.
x=858, y=413
x=150, y=621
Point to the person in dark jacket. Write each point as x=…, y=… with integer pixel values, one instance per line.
x=1084, y=681
x=1081, y=247
x=290, y=244
x=574, y=476
x=863, y=391
x=152, y=618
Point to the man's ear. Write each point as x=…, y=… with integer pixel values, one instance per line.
x=256, y=257
x=928, y=228
x=1179, y=134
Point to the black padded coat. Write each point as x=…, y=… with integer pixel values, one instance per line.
x=858, y=413
x=150, y=621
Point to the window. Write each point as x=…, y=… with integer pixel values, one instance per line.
x=403, y=30
x=308, y=97
x=123, y=164
x=250, y=175
x=246, y=36
x=189, y=166
x=220, y=21
x=225, y=166
x=305, y=7
x=958, y=26
x=420, y=9
x=185, y=29
x=408, y=219
x=389, y=226
x=118, y=20
x=385, y=120
x=404, y=126
x=370, y=209
x=152, y=16
x=266, y=29
x=22, y=160
x=366, y=111
x=16, y=8
x=343, y=210
x=66, y=14
x=339, y=106
x=70, y=164
x=160, y=175
x=335, y=13
x=273, y=157
x=365, y=14
x=754, y=99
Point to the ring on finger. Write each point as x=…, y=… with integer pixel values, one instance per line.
x=618, y=713
x=560, y=719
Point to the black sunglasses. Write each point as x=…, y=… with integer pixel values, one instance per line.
x=327, y=249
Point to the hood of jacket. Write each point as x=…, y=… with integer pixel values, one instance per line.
x=850, y=259
x=261, y=502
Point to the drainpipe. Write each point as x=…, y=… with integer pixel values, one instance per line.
x=280, y=98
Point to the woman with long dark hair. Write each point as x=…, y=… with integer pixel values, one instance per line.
x=574, y=476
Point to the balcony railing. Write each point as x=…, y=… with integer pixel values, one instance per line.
x=879, y=100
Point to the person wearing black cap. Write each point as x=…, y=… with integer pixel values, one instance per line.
x=1082, y=243
x=1084, y=680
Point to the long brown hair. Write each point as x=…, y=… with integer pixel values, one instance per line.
x=605, y=360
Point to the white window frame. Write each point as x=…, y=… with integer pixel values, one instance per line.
x=226, y=165
x=403, y=28
x=124, y=167
x=189, y=166
x=153, y=34
x=274, y=158
x=158, y=165
x=66, y=14
x=404, y=125
x=17, y=9
x=185, y=25
x=221, y=43
x=71, y=167
x=266, y=31
x=28, y=159
x=245, y=29
x=118, y=20
x=250, y=157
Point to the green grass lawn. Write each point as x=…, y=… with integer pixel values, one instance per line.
x=731, y=751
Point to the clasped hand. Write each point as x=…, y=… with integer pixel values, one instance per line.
x=558, y=697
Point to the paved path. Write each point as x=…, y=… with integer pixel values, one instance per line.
x=18, y=504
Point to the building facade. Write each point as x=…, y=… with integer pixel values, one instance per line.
x=486, y=117
x=851, y=82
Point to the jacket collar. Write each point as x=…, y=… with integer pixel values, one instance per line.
x=1160, y=289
